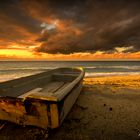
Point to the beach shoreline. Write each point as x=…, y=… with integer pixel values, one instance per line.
x=107, y=109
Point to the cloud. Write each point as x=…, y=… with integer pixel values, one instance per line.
x=17, y=27
x=105, y=25
x=71, y=26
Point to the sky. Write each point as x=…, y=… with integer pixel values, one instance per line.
x=69, y=30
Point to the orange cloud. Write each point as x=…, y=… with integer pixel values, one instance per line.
x=81, y=31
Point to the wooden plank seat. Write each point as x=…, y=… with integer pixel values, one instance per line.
x=48, y=92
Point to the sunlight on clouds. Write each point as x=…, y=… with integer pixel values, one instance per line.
x=29, y=54
x=51, y=25
x=122, y=49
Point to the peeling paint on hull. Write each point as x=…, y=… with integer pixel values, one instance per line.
x=47, y=112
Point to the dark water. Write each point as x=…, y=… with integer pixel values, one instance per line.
x=14, y=69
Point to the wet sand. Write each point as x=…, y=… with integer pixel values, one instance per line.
x=107, y=109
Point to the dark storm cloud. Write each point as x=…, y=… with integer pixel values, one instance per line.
x=16, y=26
x=105, y=25
x=85, y=25
x=12, y=12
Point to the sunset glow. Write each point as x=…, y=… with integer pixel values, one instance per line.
x=13, y=54
x=69, y=31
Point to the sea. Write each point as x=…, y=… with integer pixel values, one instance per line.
x=15, y=69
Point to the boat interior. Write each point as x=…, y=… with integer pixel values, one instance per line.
x=43, y=84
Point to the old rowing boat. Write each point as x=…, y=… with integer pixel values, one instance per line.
x=41, y=100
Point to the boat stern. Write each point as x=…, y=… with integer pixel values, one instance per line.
x=29, y=112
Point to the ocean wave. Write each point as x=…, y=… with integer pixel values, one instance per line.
x=92, y=67
x=11, y=76
x=110, y=74
x=53, y=67
x=113, y=67
x=37, y=68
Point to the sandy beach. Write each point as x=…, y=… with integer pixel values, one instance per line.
x=108, y=108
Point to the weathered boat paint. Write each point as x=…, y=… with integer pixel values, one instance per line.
x=37, y=108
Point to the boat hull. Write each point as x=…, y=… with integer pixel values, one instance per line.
x=37, y=112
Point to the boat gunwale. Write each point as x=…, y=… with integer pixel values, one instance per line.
x=66, y=90
x=54, y=107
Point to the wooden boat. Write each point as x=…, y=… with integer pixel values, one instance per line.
x=41, y=100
